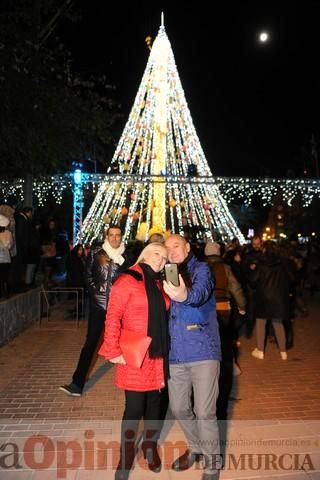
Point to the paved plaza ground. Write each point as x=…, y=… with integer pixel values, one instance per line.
x=273, y=431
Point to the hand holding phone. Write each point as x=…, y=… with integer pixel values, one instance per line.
x=174, y=285
x=171, y=273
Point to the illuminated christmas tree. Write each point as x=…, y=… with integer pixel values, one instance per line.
x=159, y=179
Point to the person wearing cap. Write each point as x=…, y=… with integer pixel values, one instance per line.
x=6, y=242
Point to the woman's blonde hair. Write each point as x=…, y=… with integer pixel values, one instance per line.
x=148, y=248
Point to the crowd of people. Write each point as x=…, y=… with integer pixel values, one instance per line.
x=29, y=249
x=193, y=327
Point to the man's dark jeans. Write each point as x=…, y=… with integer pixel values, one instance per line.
x=95, y=328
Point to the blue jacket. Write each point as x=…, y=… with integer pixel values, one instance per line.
x=193, y=326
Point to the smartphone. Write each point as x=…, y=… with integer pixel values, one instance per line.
x=171, y=273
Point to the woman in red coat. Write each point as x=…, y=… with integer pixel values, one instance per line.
x=138, y=303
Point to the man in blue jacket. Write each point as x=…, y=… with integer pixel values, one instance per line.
x=194, y=358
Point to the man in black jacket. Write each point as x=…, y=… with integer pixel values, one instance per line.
x=102, y=264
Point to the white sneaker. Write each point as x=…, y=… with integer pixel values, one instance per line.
x=284, y=355
x=258, y=354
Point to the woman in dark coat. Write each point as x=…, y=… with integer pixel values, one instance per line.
x=271, y=279
x=75, y=267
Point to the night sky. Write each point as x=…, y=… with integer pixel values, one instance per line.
x=254, y=106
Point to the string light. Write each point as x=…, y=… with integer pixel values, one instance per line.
x=159, y=144
x=159, y=177
x=218, y=191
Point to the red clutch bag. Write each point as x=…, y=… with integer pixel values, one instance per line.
x=134, y=347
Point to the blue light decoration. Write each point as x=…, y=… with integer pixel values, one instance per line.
x=77, y=202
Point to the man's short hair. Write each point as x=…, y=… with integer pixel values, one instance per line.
x=113, y=226
x=157, y=237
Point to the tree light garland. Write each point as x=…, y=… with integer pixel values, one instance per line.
x=159, y=178
x=159, y=159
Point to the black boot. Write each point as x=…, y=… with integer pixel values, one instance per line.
x=121, y=474
x=123, y=470
x=150, y=453
x=127, y=455
x=185, y=461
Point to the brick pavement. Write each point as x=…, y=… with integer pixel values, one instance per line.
x=274, y=410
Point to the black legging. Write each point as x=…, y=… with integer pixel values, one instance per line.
x=138, y=405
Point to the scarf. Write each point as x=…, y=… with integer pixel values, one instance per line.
x=157, y=318
x=114, y=253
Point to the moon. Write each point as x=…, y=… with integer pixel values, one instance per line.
x=263, y=37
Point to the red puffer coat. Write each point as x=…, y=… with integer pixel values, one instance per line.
x=128, y=308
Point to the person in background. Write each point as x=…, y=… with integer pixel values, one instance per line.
x=6, y=241
x=75, y=265
x=48, y=242
x=63, y=250
x=252, y=257
x=156, y=237
x=227, y=288
x=138, y=303
x=23, y=240
x=8, y=210
x=234, y=258
x=131, y=253
x=87, y=248
x=99, y=274
x=271, y=281
x=194, y=356
x=234, y=244
x=34, y=254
